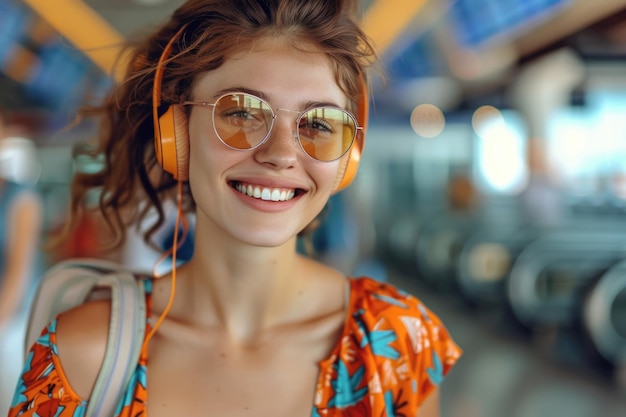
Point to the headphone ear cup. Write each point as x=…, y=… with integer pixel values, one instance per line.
x=181, y=127
x=350, y=163
x=348, y=167
x=172, y=145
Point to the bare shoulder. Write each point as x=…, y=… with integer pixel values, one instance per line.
x=81, y=335
x=320, y=270
x=329, y=285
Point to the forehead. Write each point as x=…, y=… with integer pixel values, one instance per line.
x=274, y=65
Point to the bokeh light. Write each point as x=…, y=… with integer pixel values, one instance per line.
x=427, y=120
x=484, y=117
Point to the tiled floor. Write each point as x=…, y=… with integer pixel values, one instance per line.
x=506, y=372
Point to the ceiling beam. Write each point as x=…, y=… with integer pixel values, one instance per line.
x=84, y=28
x=385, y=20
x=577, y=16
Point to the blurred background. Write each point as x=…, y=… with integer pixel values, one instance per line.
x=493, y=185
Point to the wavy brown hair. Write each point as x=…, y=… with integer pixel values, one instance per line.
x=214, y=29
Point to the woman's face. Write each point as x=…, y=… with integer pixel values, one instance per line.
x=287, y=79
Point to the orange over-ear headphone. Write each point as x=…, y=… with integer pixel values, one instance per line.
x=171, y=133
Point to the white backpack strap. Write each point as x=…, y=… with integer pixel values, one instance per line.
x=73, y=282
x=126, y=335
x=62, y=287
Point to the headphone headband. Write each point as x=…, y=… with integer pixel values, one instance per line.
x=164, y=133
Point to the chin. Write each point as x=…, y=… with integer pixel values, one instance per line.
x=272, y=242
x=269, y=238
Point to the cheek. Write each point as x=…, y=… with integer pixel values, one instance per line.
x=204, y=158
x=204, y=147
x=327, y=175
x=198, y=152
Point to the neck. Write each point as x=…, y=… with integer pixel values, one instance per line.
x=242, y=289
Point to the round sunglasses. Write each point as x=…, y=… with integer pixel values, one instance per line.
x=244, y=121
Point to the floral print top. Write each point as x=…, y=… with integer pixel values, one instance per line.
x=392, y=353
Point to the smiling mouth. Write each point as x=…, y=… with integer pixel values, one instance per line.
x=265, y=193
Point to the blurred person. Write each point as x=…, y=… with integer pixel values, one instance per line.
x=542, y=201
x=461, y=193
x=257, y=109
x=84, y=240
x=21, y=218
x=85, y=235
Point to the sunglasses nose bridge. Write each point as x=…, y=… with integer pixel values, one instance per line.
x=294, y=130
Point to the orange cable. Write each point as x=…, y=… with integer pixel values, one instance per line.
x=174, y=248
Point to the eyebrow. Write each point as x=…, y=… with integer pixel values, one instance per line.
x=262, y=95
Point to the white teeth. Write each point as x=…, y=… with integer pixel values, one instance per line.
x=273, y=194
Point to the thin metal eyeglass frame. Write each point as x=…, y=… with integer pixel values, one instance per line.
x=274, y=116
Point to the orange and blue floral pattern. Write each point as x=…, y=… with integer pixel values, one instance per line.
x=393, y=352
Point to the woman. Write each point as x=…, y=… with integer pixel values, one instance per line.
x=256, y=98
x=21, y=221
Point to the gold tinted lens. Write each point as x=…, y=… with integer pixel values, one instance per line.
x=326, y=133
x=242, y=121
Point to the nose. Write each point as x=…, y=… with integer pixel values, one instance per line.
x=280, y=150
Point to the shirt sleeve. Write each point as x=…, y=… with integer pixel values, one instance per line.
x=430, y=348
x=412, y=346
x=41, y=388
